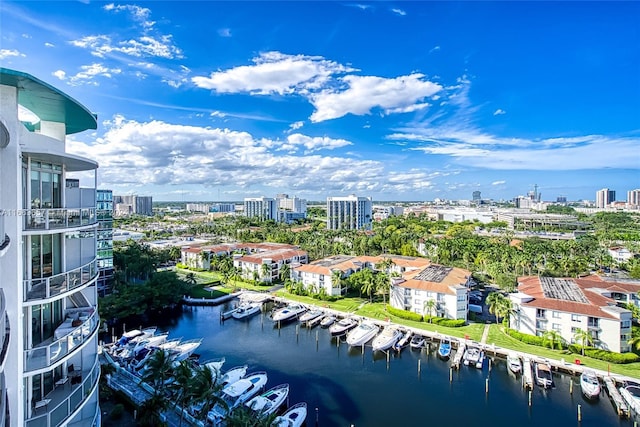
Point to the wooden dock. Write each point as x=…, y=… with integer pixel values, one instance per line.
x=457, y=359
x=527, y=374
x=210, y=301
x=616, y=397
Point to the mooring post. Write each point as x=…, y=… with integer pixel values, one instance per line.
x=571, y=386
x=419, y=367
x=451, y=374
x=486, y=385
x=579, y=413
x=529, y=398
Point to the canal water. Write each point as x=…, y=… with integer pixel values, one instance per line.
x=345, y=387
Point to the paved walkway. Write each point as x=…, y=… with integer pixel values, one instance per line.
x=485, y=334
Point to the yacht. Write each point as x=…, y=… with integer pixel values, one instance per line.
x=471, y=356
x=289, y=312
x=343, y=326
x=544, y=377
x=362, y=333
x=233, y=375
x=293, y=417
x=513, y=362
x=403, y=341
x=184, y=350
x=269, y=402
x=215, y=365
x=236, y=394
x=387, y=338
x=589, y=384
x=631, y=394
x=133, y=348
x=246, y=310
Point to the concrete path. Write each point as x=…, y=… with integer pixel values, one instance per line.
x=485, y=334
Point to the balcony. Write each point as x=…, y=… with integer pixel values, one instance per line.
x=3, y=400
x=4, y=239
x=65, y=400
x=58, y=219
x=68, y=338
x=49, y=287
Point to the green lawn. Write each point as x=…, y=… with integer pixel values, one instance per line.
x=202, y=277
x=199, y=291
x=498, y=337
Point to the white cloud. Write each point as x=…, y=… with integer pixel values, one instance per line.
x=224, y=32
x=363, y=93
x=139, y=14
x=273, y=73
x=60, y=74
x=6, y=53
x=498, y=182
x=88, y=74
x=399, y=12
x=434, y=49
x=499, y=112
x=296, y=125
x=144, y=46
x=47, y=44
x=160, y=153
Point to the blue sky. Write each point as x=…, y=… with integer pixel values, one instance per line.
x=393, y=100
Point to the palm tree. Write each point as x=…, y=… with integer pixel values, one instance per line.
x=182, y=386
x=242, y=416
x=553, y=338
x=336, y=278
x=368, y=283
x=430, y=306
x=495, y=300
x=150, y=411
x=206, y=389
x=266, y=272
x=191, y=279
x=285, y=272
x=159, y=368
x=580, y=335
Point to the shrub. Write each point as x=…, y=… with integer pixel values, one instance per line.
x=450, y=323
x=181, y=265
x=526, y=338
x=605, y=355
x=403, y=314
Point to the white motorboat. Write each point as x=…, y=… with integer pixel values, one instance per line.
x=631, y=394
x=471, y=356
x=544, y=376
x=310, y=315
x=343, y=326
x=418, y=341
x=513, y=363
x=236, y=394
x=362, y=334
x=184, y=350
x=480, y=361
x=444, y=349
x=403, y=341
x=132, y=349
x=246, y=310
x=215, y=365
x=289, y=312
x=293, y=417
x=269, y=402
x=135, y=335
x=233, y=375
x=327, y=320
x=386, y=339
x=589, y=384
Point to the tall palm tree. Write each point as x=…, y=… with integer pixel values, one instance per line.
x=159, y=369
x=182, y=386
x=495, y=300
x=266, y=272
x=336, y=278
x=285, y=272
x=368, y=283
x=206, y=389
x=580, y=335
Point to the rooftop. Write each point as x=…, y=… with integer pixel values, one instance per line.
x=562, y=289
x=49, y=103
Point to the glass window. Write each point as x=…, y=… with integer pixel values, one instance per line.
x=35, y=190
x=555, y=314
x=575, y=318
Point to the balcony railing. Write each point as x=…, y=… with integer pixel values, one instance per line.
x=3, y=399
x=55, y=219
x=47, y=287
x=4, y=330
x=66, y=399
x=46, y=355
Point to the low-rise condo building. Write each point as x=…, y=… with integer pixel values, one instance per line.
x=568, y=306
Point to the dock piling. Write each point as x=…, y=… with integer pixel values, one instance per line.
x=451, y=374
x=579, y=413
x=486, y=386
x=530, y=392
x=571, y=386
x=419, y=367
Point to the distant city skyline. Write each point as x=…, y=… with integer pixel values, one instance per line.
x=220, y=101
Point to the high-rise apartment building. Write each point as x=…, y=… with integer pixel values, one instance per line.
x=633, y=198
x=351, y=212
x=605, y=197
x=263, y=208
x=133, y=205
x=49, y=366
x=104, y=210
x=476, y=196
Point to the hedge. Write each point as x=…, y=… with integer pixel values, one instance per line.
x=403, y=314
x=526, y=338
x=605, y=355
x=451, y=323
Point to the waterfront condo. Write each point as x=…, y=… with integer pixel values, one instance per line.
x=49, y=361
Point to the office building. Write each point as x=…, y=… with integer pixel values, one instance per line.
x=263, y=208
x=198, y=207
x=351, y=212
x=133, y=205
x=223, y=207
x=49, y=369
x=604, y=198
x=105, y=241
x=476, y=197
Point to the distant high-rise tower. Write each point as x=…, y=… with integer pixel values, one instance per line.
x=633, y=198
x=264, y=208
x=476, y=196
x=605, y=197
x=104, y=211
x=351, y=212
